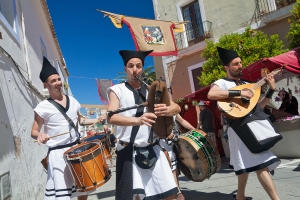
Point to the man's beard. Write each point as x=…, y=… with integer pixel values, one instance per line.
x=236, y=74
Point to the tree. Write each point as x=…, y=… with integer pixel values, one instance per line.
x=149, y=75
x=250, y=45
x=293, y=35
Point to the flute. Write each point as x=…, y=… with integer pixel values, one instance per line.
x=111, y=112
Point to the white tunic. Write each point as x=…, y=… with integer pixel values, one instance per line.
x=153, y=183
x=169, y=149
x=55, y=123
x=60, y=185
x=241, y=158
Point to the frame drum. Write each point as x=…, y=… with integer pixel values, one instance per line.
x=197, y=155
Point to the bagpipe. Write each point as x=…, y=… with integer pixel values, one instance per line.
x=157, y=94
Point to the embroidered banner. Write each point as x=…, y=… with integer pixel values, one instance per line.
x=102, y=85
x=156, y=35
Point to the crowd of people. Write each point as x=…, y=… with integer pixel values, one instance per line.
x=289, y=104
x=143, y=170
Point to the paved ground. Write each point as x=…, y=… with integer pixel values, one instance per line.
x=222, y=185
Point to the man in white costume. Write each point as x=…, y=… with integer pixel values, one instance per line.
x=135, y=180
x=60, y=184
x=242, y=159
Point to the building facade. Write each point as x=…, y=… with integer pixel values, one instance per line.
x=26, y=35
x=210, y=19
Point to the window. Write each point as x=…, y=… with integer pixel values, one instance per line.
x=7, y=10
x=8, y=16
x=194, y=29
x=194, y=71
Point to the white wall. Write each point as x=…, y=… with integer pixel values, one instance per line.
x=18, y=154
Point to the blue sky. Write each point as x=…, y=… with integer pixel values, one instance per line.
x=90, y=43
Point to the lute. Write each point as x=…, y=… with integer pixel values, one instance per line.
x=237, y=107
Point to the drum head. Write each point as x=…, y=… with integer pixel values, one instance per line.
x=94, y=137
x=81, y=148
x=196, y=157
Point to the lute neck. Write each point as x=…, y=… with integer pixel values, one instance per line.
x=263, y=81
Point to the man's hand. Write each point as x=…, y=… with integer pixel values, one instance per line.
x=247, y=93
x=42, y=138
x=160, y=109
x=271, y=81
x=147, y=119
x=102, y=119
x=171, y=136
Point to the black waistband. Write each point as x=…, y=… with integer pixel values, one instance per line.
x=123, y=143
x=63, y=146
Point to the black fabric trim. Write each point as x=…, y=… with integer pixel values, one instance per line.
x=63, y=146
x=162, y=195
x=60, y=190
x=257, y=167
x=247, y=136
x=124, y=181
x=67, y=104
x=49, y=195
x=63, y=195
x=138, y=191
x=232, y=80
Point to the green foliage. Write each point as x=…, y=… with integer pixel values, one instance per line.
x=149, y=72
x=179, y=100
x=293, y=35
x=250, y=45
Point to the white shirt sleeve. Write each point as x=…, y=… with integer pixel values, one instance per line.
x=116, y=89
x=220, y=83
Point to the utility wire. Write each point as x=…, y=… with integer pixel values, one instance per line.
x=114, y=79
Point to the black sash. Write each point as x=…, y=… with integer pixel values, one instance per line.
x=247, y=135
x=124, y=181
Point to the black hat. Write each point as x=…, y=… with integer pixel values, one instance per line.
x=47, y=70
x=226, y=55
x=128, y=54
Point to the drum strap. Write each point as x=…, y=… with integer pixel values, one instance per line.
x=63, y=146
x=63, y=112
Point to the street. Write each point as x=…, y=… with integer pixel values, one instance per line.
x=222, y=185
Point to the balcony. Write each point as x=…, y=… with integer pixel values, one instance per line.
x=265, y=7
x=193, y=35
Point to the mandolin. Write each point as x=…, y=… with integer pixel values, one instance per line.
x=237, y=107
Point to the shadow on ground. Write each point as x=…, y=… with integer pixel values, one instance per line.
x=297, y=169
x=193, y=194
x=106, y=194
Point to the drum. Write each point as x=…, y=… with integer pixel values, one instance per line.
x=87, y=165
x=104, y=141
x=197, y=156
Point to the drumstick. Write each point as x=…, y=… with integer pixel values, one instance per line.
x=95, y=122
x=57, y=135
